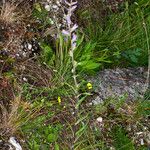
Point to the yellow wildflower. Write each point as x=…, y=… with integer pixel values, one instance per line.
x=89, y=86
x=59, y=100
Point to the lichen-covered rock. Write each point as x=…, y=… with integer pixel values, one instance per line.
x=118, y=82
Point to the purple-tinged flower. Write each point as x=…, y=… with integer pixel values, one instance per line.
x=74, y=37
x=70, y=27
x=66, y=33
x=68, y=19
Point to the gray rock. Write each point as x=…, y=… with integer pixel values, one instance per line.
x=120, y=81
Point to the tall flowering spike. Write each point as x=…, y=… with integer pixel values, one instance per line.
x=70, y=32
x=70, y=26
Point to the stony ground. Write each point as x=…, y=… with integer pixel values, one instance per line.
x=119, y=82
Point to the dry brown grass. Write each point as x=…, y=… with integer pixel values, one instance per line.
x=37, y=75
x=11, y=27
x=14, y=18
x=9, y=13
x=11, y=119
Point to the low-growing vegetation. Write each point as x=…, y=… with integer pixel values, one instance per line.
x=49, y=50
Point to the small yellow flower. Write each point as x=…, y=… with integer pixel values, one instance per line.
x=59, y=100
x=89, y=86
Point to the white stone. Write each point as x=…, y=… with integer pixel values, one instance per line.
x=58, y=3
x=15, y=143
x=25, y=79
x=29, y=46
x=24, y=54
x=47, y=7
x=138, y=133
x=99, y=119
x=142, y=141
x=55, y=7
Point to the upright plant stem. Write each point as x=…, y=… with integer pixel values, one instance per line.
x=148, y=49
x=70, y=33
x=76, y=93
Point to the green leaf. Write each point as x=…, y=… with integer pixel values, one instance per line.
x=121, y=141
x=81, y=100
x=56, y=146
x=89, y=65
x=81, y=119
x=47, y=53
x=52, y=137
x=104, y=57
x=81, y=131
x=134, y=59
x=79, y=41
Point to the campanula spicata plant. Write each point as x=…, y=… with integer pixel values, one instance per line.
x=80, y=123
x=70, y=33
